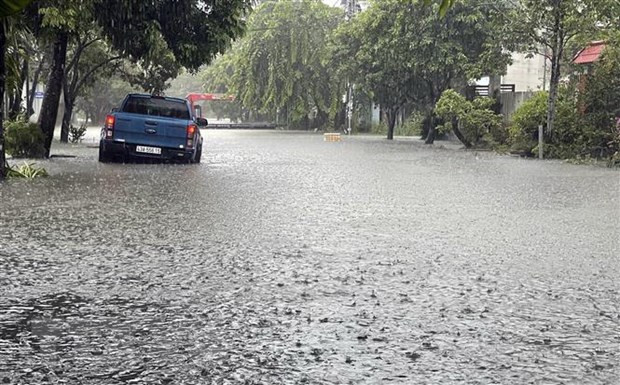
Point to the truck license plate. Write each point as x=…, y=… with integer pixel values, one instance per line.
x=148, y=150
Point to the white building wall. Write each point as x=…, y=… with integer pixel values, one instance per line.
x=527, y=74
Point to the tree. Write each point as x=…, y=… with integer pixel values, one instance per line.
x=37, y=60
x=154, y=69
x=7, y=8
x=90, y=57
x=195, y=31
x=19, y=49
x=406, y=54
x=187, y=82
x=473, y=122
x=2, y=83
x=549, y=26
x=98, y=99
x=444, y=5
x=601, y=98
x=218, y=78
x=55, y=21
x=11, y=7
x=282, y=65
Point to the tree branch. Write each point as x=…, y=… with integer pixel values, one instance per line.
x=92, y=71
x=82, y=45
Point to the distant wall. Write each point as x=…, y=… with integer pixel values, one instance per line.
x=527, y=73
x=511, y=101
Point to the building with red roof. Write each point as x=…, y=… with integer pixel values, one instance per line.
x=591, y=53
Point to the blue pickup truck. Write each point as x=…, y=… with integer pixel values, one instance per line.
x=153, y=127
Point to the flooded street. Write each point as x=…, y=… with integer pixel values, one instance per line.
x=282, y=259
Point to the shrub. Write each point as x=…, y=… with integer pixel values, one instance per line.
x=574, y=134
x=26, y=170
x=411, y=127
x=584, y=126
x=24, y=139
x=379, y=128
x=523, y=133
x=601, y=101
x=479, y=125
x=76, y=134
x=482, y=127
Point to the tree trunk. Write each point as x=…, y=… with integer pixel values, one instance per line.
x=457, y=131
x=49, y=108
x=391, y=116
x=2, y=83
x=66, y=120
x=553, y=94
x=495, y=85
x=321, y=119
x=33, y=88
x=554, y=82
x=67, y=115
x=16, y=106
x=432, y=132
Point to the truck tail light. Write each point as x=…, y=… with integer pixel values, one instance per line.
x=191, y=131
x=109, y=126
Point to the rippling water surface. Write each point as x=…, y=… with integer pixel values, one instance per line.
x=286, y=260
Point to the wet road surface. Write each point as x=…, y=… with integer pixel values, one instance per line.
x=286, y=260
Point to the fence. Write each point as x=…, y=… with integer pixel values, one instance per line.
x=484, y=90
x=511, y=101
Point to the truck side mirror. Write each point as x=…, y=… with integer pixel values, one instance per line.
x=202, y=122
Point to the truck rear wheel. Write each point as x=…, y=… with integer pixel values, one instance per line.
x=104, y=157
x=198, y=155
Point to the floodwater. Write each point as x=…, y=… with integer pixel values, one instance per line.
x=282, y=259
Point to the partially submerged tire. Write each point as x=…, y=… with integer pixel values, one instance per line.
x=103, y=156
x=198, y=155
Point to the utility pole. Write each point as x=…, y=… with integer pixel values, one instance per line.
x=351, y=7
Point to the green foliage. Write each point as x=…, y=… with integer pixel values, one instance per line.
x=601, y=99
x=576, y=135
x=482, y=126
x=542, y=23
x=452, y=105
x=601, y=104
x=23, y=139
x=282, y=66
x=194, y=30
x=444, y=5
x=412, y=126
x=379, y=128
x=153, y=70
x=548, y=27
x=569, y=136
x=219, y=78
x=405, y=54
x=525, y=121
x=477, y=123
x=27, y=171
x=76, y=134
x=104, y=95
x=614, y=158
x=11, y=7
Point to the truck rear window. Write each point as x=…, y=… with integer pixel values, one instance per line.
x=156, y=107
